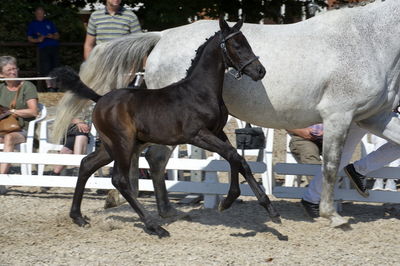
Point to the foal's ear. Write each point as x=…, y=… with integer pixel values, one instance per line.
x=223, y=25
x=238, y=25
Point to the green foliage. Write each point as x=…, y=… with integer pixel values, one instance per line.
x=159, y=15
x=16, y=15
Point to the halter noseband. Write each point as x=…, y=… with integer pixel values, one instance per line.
x=226, y=57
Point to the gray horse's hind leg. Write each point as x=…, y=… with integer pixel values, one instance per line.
x=336, y=128
x=157, y=156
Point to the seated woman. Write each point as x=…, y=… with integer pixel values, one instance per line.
x=25, y=106
x=76, y=139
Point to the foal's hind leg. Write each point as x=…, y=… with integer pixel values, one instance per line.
x=120, y=179
x=157, y=156
x=89, y=165
x=205, y=139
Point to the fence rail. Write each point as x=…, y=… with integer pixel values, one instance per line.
x=211, y=188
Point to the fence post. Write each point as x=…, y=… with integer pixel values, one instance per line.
x=211, y=201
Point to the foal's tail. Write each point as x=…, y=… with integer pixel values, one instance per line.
x=110, y=65
x=68, y=80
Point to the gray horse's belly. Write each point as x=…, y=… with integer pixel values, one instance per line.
x=252, y=102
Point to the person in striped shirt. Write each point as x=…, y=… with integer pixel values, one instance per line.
x=112, y=22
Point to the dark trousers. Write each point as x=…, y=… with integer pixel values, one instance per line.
x=48, y=60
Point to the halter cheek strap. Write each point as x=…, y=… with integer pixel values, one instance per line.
x=238, y=75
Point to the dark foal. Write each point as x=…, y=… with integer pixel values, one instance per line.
x=189, y=111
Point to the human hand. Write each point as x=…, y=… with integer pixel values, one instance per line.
x=305, y=133
x=40, y=37
x=50, y=36
x=4, y=112
x=83, y=127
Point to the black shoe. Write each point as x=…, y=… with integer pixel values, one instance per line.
x=102, y=191
x=312, y=209
x=356, y=179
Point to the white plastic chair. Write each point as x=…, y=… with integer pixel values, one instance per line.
x=263, y=155
x=291, y=180
x=27, y=147
x=45, y=145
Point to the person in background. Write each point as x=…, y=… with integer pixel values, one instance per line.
x=76, y=140
x=306, y=147
x=26, y=100
x=306, y=144
x=45, y=35
x=356, y=172
x=104, y=25
x=379, y=183
x=107, y=24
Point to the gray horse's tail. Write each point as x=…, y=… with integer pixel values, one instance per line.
x=68, y=80
x=110, y=65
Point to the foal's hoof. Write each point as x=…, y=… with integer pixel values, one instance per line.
x=82, y=221
x=276, y=219
x=224, y=204
x=168, y=213
x=157, y=230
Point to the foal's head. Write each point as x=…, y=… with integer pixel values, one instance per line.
x=238, y=53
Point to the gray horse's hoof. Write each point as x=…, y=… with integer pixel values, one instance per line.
x=339, y=222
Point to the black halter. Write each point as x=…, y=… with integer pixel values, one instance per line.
x=226, y=57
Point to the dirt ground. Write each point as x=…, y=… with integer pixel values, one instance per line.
x=36, y=230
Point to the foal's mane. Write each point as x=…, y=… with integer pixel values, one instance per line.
x=199, y=52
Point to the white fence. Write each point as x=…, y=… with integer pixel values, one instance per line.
x=210, y=187
x=341, y=194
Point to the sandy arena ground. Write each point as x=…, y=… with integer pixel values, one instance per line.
x=36, y=230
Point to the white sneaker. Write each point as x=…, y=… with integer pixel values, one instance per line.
x=3, y=190
x=390, y=185
x=378, y=185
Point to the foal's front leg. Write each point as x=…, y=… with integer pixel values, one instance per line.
x=234, y=188
x=206, y=140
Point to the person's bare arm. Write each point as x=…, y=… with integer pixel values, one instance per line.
x=37, y=40
x=90, y=42
x=31, y=111
x=305, y=133
x=54, y=36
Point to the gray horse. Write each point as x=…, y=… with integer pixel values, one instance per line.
x=340, y=68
